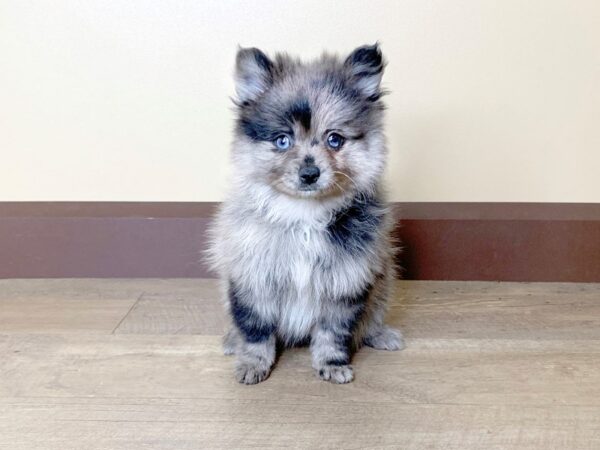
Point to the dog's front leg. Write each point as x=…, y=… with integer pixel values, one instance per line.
x=256, y=349
x=332, y=342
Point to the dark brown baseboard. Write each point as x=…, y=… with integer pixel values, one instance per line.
x=441, y=241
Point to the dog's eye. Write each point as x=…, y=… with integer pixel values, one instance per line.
x=335, y=141
x=283, y=142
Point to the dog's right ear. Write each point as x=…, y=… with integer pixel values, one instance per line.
x=253, y=74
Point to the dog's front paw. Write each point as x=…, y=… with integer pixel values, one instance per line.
x=250, y=374
x=385, y=338
x=336, y=374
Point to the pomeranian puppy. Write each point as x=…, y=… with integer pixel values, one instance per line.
x=302, y=242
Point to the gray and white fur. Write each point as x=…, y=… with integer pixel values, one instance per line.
x=302, y=243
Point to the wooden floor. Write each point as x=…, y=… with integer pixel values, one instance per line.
x=137, y=364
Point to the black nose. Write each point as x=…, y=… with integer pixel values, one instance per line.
x=309, y=174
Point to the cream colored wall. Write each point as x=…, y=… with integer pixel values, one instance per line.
x=128, y=100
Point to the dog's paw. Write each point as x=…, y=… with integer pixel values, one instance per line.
x=249, y=374
x=336, y=374
x=386, y=338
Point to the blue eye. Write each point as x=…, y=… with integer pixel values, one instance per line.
x=283, y=142
x=335, y=141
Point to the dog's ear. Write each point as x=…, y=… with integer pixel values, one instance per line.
x=366, y=69
x=253, y=74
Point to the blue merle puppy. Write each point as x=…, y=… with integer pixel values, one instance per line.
x=302, y=242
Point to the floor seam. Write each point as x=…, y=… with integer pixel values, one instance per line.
x=128, y=312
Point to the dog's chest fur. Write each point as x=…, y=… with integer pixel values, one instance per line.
x=289, y=259
x=298, y=267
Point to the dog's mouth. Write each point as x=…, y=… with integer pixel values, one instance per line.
x=321, y=189
x=318, y=191
x=303, y=188
x=310, y=192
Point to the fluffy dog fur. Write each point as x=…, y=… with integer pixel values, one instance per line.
x=304, y=259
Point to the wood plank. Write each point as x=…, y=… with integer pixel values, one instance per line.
x=180, y=424
x=488, y=365
x=46, y=306
x=177, y=392
x=193, y=307
x=422, y=309
x=492, y=310
x=458, y=371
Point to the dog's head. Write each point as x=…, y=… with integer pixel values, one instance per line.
x=310, y=129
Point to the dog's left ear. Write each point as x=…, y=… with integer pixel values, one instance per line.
x=253, y=74
x=366, y=69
